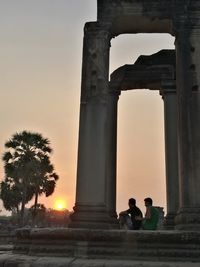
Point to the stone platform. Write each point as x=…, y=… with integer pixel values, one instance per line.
x=105, y=246
x=10, y=260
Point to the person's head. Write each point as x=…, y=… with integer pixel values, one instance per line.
x=131, y=202
x=148, y=202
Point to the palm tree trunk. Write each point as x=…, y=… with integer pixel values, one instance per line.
x=23, y=205
x=36, y=200
x=35, y=207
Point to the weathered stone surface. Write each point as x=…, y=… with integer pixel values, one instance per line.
x=52, y=262
x=27, y=261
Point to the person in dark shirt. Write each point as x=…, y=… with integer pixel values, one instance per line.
x=128, y=218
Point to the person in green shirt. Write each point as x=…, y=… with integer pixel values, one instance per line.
x=151, y=218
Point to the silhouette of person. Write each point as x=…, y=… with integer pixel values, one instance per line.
x=128, y=218
x=150, y=221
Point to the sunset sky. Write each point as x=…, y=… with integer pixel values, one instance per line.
x=40, y=80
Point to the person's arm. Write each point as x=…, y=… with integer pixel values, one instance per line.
x=148, y=213
x=125, y=212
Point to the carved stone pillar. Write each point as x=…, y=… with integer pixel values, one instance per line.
x=91, y=207
x=188, y=82
x=171, y=151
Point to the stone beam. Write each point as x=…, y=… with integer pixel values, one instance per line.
x=137, y=77
x=146, y=72
x=135, y=16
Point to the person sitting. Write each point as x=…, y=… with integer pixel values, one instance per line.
x=150, y=221
x=128, y=219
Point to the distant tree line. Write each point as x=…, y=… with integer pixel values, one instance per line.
x=44, y=218
x=29, y=172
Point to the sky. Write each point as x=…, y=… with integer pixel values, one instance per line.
x=40, y=79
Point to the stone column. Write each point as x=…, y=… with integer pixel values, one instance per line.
x=91, y=208
x=112, y=157
x=171, y=151
x=188, y=86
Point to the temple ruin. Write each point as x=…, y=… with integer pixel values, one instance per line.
x=93, y=238
x=95, y=205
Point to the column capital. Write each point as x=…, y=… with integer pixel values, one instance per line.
x=114, y=89
x=115, y=93
x=168, y=87
x=97, y=30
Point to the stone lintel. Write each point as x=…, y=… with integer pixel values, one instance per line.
x=136, y=16
x=149, y=16
x=147, y=72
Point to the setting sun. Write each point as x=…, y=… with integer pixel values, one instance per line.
x=60, y=204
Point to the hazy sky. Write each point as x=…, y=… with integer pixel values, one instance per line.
x=40, y=79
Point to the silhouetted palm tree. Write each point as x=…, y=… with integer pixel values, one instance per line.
x=27, y=167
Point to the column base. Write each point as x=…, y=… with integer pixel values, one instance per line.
x=169, y=222
x=188, y=218
x=93, y=217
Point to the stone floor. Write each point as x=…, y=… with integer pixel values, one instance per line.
x=11, y=260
